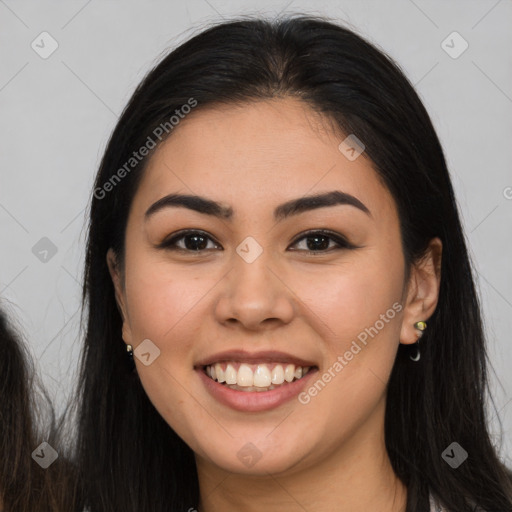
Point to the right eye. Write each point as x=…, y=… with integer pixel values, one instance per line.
x=189, y=241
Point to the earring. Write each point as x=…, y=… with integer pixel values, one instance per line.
x=420, y=326
x=131, y=362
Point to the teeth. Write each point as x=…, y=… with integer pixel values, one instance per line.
x=289, y=373
x=221, y=374
x=255, y=377
x=244, y=376
x=262, y=376
x=230, y=374
x=277, y=375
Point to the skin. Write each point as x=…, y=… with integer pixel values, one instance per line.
x=328, y=454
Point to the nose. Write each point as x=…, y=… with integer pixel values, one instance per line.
x=254, y=296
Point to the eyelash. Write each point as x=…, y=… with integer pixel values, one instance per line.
x=170, y=244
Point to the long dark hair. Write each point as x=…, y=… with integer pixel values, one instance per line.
x=27, y=419
x=129, y=458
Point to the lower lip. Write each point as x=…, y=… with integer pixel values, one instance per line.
x=254, y=401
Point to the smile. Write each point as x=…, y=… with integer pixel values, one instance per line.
x=255, y=393
x=258, y=377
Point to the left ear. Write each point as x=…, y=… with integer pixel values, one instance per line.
x=422, y=291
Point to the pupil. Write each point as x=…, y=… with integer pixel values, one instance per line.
x=319, y=245
x=195, y=245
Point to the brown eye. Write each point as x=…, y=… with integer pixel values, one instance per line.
x=191, y=241
x=320, y=241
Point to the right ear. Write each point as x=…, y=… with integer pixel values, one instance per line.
x=115, y=275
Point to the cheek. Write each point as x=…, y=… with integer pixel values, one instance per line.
x=349, y=298
x=357, y=312
x=166, y=307
x=159, y=298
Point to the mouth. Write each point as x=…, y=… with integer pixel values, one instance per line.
x=254, y=382
x=259, y=377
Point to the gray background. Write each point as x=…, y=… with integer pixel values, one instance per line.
x=57, y=114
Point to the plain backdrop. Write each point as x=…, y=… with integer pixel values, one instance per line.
x=56, y=114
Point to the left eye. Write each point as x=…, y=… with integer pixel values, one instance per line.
x=319, y=241
x=197, y=241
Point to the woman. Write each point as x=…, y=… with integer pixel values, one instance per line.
x=34, y=473
x=273, y=229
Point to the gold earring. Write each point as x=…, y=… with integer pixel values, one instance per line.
x=420, y=326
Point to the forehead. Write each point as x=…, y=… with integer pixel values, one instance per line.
x=257, y=155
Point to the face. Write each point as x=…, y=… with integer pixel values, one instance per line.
x=262, y=292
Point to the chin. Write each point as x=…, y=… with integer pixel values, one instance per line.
x=253, y=458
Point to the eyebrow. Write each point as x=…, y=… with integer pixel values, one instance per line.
x=292, y=207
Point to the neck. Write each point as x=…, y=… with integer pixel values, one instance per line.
x=354, y=477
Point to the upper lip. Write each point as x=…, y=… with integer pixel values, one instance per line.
x=267, y=356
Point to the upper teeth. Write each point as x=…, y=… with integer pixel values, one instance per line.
x=261, y=375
